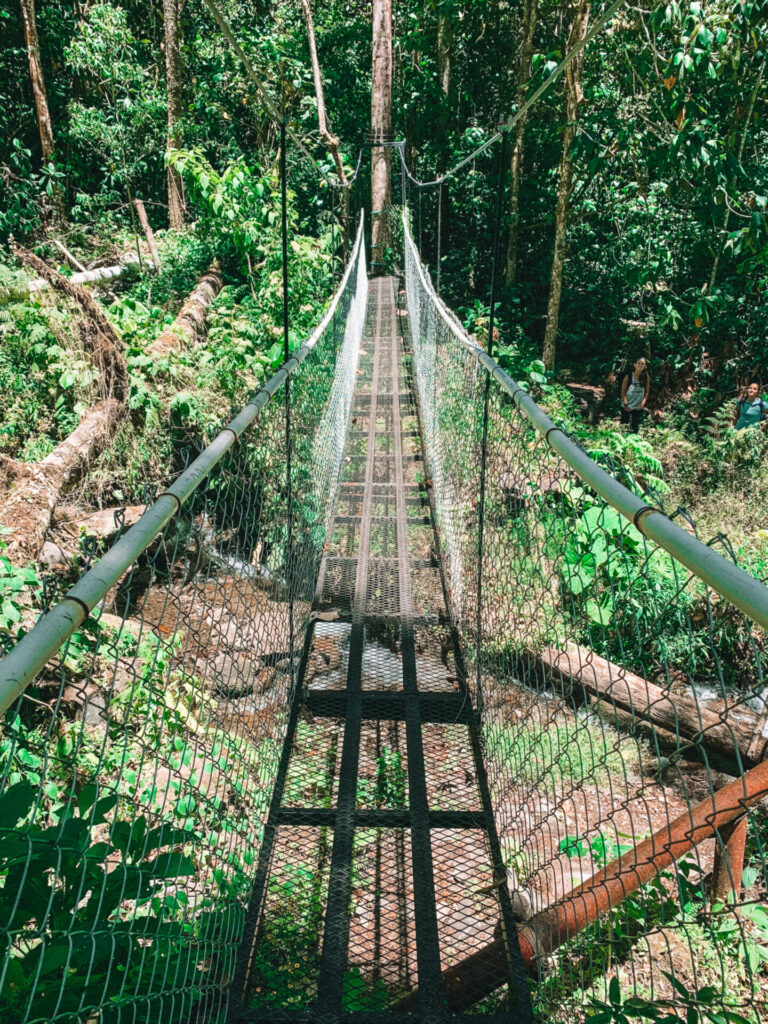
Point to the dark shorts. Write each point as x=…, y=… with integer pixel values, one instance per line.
x=632, y=416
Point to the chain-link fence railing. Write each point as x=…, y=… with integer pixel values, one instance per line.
x=144, y=714
x=619, y=667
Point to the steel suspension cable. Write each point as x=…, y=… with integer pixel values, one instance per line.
x=512, y=121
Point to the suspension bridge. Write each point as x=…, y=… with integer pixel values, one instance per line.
x=355, y=723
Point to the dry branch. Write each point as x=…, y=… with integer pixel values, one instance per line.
x=190, y=325
x=149, y=234
x=99, y=337
x=326, y=134
x=33, y=491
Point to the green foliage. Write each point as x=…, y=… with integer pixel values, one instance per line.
x=18, y=589
x=45, y=380
x=64, y=899
x=698, y=1007
x=118, y=126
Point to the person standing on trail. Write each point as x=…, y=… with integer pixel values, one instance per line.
x=635, y=388
x=750, y=409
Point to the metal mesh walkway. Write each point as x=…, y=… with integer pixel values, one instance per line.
x=381, y=807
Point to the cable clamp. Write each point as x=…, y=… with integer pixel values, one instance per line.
x=552, y=430
x=170, y=494
x=642, y=511
x=82, y=604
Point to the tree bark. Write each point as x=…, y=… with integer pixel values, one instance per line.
x=35, y=489
x=146, y=227
x=173, y=89
x=330, y=140
x=524, y=69
x=381, y=129
x=574, y=95
x=444, y=55
x=44, y=123
x=190, y=325
x=723, y=734
x=38, y=82
x=444, y=72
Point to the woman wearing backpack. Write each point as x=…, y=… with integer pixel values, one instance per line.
x=750, y=409
x=635, y=388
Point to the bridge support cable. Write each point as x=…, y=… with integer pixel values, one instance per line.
x=154, y=699
x=569, y=585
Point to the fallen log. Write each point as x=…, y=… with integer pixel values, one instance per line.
x=68, y=527
x=27, y=289
x=190, y=325
x=727, y=736
x=32, y=490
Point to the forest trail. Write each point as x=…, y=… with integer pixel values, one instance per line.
x=400, y=836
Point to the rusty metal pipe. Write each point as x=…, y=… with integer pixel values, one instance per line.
x=478, y=975
x=619, y=879
x=729, y=860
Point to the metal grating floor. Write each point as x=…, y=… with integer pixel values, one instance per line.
x=380, y=867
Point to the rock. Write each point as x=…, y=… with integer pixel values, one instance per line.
x=522, y=907
x=234, y=675
x=327, y=650
x=52, y=555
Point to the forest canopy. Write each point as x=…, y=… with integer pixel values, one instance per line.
x=322, y=224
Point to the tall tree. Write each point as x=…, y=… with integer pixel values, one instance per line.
x=578, y=21
x=173, y=87
x=524, y=67
x=381, y=128
x=38, y=82
x=44, y=123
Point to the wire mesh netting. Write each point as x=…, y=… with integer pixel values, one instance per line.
x=136, y=769
x=380, y=829
x=402, y=696
x=623, y=702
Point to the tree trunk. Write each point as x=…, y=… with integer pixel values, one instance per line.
x=173, y=87
x=98, y=276
x=444, y=55
x=44, y=123
x=35, y=489
x=381, y=129
x=524, y=69
x=578, y=672
x=146, y=227
x=38, y=82
x=444, y=72
x=189, y=325
x=574, y=94
x=327, y=136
